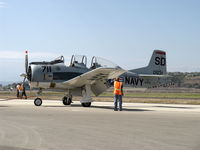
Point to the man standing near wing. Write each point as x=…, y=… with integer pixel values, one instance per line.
x=118, y=93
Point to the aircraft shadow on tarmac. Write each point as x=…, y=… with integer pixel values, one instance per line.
x=124, y=109
x=12, y=148
x=100, y=107
x=176, y=107
x=53, y=106
x=3, y=106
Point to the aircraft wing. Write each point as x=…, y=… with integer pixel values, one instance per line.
x=96, y=78
x=129, y=73
x=152, y=75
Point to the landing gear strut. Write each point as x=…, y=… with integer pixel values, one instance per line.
x=87, y=99
x=67, y=100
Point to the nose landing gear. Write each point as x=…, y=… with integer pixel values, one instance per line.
x=38, y=102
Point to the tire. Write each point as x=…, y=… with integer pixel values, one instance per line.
x=38, y=102
x=88, y=104
x=67, y=100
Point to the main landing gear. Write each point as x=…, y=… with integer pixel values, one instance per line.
x=67, y=100
x=86, y=99
x=88, y=104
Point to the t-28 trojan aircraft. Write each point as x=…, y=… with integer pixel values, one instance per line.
x=79, y=80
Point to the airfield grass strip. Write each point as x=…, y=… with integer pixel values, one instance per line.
x=159, y=95
x=133, y=97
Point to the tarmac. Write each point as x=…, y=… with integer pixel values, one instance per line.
x=139, y=126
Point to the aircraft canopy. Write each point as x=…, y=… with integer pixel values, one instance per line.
x=101, y=62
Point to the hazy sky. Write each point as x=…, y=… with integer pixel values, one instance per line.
x=123, y=31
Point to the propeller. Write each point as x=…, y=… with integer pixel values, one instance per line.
x=26, y=67
x=26, y=61
x=25, y=75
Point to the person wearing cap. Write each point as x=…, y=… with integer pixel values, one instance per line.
x=17, y=88
x=20, y=90
x=118, y=93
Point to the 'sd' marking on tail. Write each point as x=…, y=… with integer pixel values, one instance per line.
x=160, y=61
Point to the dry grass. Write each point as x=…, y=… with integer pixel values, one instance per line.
x=132, y=97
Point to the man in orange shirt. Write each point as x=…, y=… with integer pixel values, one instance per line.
x=20, y=90
x=118, y=93
x=17, y=88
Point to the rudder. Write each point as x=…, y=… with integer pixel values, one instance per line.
x=156, y=66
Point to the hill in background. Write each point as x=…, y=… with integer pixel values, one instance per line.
x=186, y=80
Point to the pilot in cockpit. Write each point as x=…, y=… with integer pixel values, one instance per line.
x=74, y=63
x=95, y=65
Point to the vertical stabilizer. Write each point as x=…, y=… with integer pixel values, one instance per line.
x=157, y=64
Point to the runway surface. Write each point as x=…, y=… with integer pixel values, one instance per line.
x=53, y=126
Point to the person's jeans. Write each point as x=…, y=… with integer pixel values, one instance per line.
x=118, y=99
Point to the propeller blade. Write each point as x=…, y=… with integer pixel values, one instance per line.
x=26, y=61
x=23, y=75
x=24, y=79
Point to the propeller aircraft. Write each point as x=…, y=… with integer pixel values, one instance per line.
x=79, y=80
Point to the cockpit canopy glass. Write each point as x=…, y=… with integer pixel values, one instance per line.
x=101, y=62
x=59, y=60
x=55, y=61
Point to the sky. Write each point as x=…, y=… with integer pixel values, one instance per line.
x=123, y=31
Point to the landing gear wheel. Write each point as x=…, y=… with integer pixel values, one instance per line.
x=67, y=100
x=88, y=104
x=38, y=102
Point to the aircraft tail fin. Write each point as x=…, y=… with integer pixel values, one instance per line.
x=157, y=64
